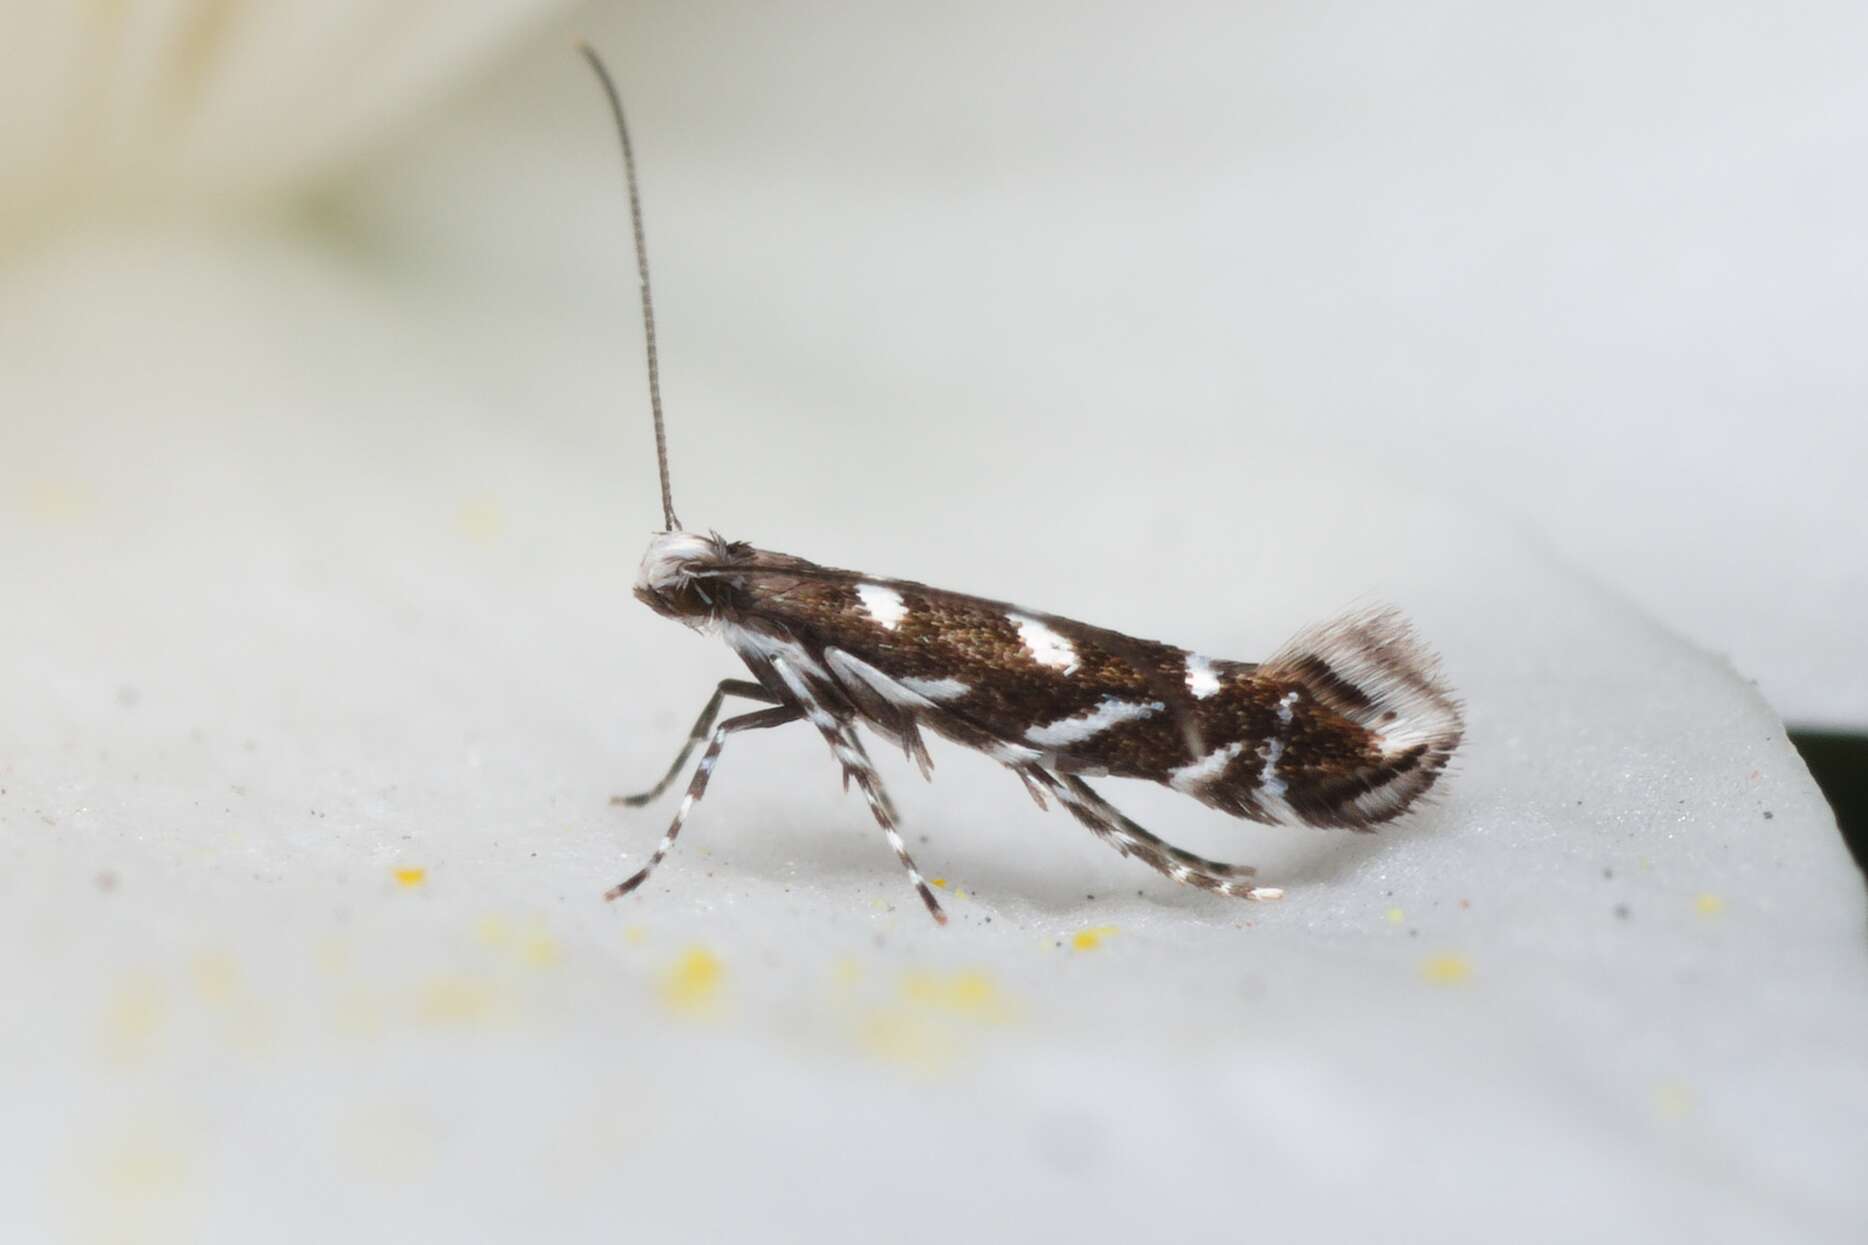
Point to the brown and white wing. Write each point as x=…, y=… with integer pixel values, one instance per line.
x=1347, y=726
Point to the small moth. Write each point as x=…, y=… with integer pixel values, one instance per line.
x=1348, y=725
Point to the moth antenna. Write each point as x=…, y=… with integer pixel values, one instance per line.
x=642, y=270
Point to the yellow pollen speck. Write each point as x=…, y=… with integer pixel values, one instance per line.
x=455, y=1001
x=965, y=992
x=1396, y=916
x=940, y=882
x=937, y=1021
x=480, y=521
x=1673, y=1100
x=333, y=956
x=217, y=977
x=58, y=501
x=694, y=981
x=388, y=1143
x=1708, y=905
x=142, y=1167
x=534, y=946
x=1448, y=969
x=904, y=1037
x=541, y=951
x=133, y=1017
x=635, y=935
x=1092, y=938
x=410, y=878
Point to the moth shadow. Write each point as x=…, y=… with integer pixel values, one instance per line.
x=1295, y=859
x=1042, y=881
x=1043, y=863
x=1325, y=856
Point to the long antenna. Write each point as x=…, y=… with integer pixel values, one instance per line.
x=642, y=270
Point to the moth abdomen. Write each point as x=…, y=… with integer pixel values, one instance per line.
x=1365, y=726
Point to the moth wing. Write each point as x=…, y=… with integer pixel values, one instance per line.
x=983, y=672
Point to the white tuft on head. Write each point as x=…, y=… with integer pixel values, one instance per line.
x=665, y=566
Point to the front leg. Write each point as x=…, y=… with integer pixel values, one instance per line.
x=702, y=724
x=698, y=787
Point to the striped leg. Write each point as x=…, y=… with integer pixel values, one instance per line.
x=1108, y=823
x=849, y=750
x=702, y=724
x=855, y=761
x=698, y=786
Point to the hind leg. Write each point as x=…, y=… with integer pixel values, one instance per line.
x=1110, y=825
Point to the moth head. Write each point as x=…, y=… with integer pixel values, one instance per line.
x=668, y=580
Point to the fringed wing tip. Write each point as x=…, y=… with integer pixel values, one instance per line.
x=1372, y=668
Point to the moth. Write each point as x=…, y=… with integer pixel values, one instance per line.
x=1348, y=725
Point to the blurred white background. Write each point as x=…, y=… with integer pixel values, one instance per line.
x=324, y=463
x=1603, y=269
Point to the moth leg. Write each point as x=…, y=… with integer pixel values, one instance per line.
x=1109, y=824
x=698, y=786
x=849, y=750
x=728, y=687
x=855, y=761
